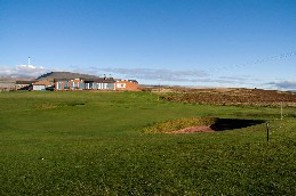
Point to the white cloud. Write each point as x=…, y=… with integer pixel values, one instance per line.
x=158, y=74
x=31, y=69
x=22, y=71
x=285, y=85
x=184, y=77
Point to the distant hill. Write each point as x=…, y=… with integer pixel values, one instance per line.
x=7, y=79
x=65, y=76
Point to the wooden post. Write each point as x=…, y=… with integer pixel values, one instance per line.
x=282, y=111
x=267, y=132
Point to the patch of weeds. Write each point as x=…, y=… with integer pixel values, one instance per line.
x=74, y=103
x=177, y=124
x=46, y=106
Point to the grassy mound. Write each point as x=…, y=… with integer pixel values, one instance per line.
x=177, y=124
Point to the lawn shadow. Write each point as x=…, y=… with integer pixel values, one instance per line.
x=230, y=124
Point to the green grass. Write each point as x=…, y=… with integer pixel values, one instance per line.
x=86, y=143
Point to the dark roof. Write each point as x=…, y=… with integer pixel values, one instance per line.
x=101, y=80
x=67, y=80
x=25, y=82
x=43, y=82
x=61, y=80
x=135, y=81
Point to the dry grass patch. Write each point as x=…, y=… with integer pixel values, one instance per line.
x=181, y=125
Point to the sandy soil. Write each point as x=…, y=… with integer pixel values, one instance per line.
x=196, y=129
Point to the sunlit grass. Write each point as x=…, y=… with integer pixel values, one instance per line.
x=91, y=143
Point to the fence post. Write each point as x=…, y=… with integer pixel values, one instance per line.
x=282, y=111
x=267, y=132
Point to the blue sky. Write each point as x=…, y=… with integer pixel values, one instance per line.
x=216, y=43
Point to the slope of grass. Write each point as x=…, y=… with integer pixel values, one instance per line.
x=87, y=143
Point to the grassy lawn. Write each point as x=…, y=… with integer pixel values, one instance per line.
x=92, y=143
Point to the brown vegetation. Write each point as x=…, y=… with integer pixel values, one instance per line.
x=252, y=97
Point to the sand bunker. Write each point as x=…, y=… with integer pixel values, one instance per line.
x=196, y=129
x=220, y=125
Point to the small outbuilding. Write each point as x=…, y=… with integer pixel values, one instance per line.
x=41, y=85
x=7, y=85
x=24, y=85
x=127, y=85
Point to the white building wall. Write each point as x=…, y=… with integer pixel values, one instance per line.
x=38, y=87
x=120, y=85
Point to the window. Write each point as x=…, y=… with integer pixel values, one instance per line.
x=121, y=85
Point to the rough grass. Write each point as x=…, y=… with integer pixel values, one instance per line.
x=52, y=144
